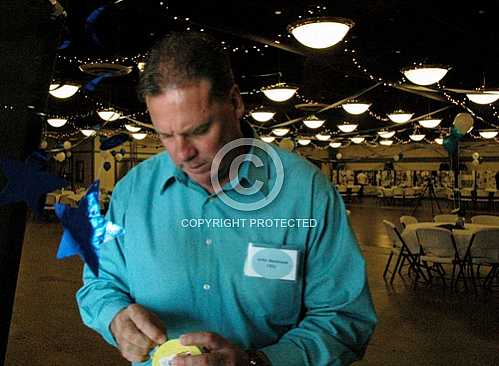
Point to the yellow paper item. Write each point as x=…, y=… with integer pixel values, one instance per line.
x=167, y=352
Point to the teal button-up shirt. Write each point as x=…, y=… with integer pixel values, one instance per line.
x=184, y=251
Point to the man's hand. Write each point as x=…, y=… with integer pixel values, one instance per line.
x=220, y=351
x=137, y=331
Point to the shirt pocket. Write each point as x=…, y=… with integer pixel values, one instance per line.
x=277, y=301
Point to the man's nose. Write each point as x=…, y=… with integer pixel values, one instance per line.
x=184, y=149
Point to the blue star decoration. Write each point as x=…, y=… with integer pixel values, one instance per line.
x=27, y=181
x=85, y=229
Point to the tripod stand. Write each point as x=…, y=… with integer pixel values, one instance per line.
x=430, y=189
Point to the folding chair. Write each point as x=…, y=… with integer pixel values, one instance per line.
x=400, y=249
x=407, y=220
x=485, y=220
x=483, y=250
x=438, y=247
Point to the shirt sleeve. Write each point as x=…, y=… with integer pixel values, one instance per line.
x=101, y=298
x=339, y=316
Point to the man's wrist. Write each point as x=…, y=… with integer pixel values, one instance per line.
x=257, y=358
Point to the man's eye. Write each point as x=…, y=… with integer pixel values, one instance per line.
x=201, y=130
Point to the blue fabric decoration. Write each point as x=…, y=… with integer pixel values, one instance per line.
x=28, y=182
x=85, y=229
x=450, y=142
x=113, y=141
x=92, y=84
x=90, y=25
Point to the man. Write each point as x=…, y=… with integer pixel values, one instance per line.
x=281, y=283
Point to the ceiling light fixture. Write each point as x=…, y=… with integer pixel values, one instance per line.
x=279, y=92
x=353, y=107
x=280, y=131
x=321, y=32
x=425, y=74
x=57, y=122
x=304, y=142
x=139, y=136
x=399, y=116
x=417, y=136
x=262, y=115
x=386, y=142
x=63, y=91
x=109, y=115
x=88, y=132
x=268, y=139
x=322, y=137
x=335, y=144
x=313, y=122
x=132, y=128
x=488, y=134
x=347, y=127
x=386, y=134
x=430, y=122
x=357, y=139
x=483, y=96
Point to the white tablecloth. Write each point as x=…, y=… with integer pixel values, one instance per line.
x=462, y=236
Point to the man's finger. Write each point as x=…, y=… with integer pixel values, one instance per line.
x=212, y=359
x=211, y=341
x=131, y=334
x=149, y=325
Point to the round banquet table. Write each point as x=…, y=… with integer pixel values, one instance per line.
x=462, y=236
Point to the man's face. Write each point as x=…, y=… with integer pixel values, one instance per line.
x=193, y=128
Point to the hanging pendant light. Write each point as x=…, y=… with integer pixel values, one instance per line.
x=262, y=114
x=483, y=96
x=139, y=136
x=386, y=134
x=57, y=122
x=268, y=139
x=132, y=128
x=279, y=92
x=88, y=132
x=399, y=116
x=321, y=32
x=347, y=127
x=430, y=122
x=357, y=139
x=109, y=115
x=63, y=91
x=354, y=107
x=425, y=74
x=488, y=134
x=417, y=136
x=304, y=142
x=313, y=122
x=280, y=131
x=335, y=144
x=322, y=137
x=386, y=142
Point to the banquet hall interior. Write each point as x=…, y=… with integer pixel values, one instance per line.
x=395, y=102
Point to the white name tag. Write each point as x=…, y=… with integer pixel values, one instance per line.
x=271, y=263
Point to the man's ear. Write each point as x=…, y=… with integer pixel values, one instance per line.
x=237, y=101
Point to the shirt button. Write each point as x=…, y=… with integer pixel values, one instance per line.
x=206, y=287
x=209, y=241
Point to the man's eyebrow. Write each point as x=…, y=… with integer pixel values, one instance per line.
x=188, y=132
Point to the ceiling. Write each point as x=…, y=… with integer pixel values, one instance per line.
x=388, y=35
